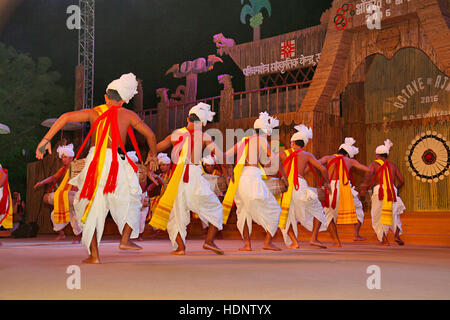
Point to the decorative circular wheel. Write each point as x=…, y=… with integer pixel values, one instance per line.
x=428, y=157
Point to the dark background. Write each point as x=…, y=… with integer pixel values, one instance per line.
x=147, y=37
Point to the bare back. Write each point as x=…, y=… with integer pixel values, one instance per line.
x=394, y=171
x=124, y=120
x=258, y=146
x=200, y=141
x=303, y=158
x=332, y=173
x=349, y=163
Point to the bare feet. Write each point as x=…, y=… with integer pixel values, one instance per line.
x=317, y=243
x=399, y=241
x=270, y=246
x=60, y=237
x=77, y=239
x=337, y=245
x=212, y=247
x=294, y=246
x=130, y=245
x=178, y=252
x=141, y=238
x=359, y=238
x=91, y=260
x=246, y=248
x=384, y=241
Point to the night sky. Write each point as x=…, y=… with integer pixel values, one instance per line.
x=147, y=37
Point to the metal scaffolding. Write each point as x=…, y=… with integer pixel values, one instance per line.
x=86, y=46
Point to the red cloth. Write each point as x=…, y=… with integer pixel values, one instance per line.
x=5, y=196
x=110, y=116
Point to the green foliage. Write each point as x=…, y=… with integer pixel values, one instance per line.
x=255, y=7
x=28, y=95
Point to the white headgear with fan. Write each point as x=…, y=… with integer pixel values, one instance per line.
x=203, y=112
x=303, y=133
x=66, y=151
x=348, y=146
x=384, y=148
x=126, y=86
x=266, y=123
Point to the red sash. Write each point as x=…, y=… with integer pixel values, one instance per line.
x=384, y=172
x=337, y=161
x=110, y=118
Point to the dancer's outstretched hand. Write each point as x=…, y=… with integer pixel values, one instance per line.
x=152, y=162
x=42, y=147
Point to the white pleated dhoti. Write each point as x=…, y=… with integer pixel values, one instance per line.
x=397, y=209
x=331, y=213
x=305, y=206
x=255, y=202
x=196, y=196
x=124, y=204
x=73, y=217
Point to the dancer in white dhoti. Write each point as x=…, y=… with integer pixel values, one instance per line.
x=107, y=182
x=386, y=204
x=254, y=201
x=344, y=205
x=65, y=195
x=300, y=204
x=187, y=189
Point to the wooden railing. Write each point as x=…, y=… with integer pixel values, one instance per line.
x=150, y=117
x=171, y=115
x=274, y=100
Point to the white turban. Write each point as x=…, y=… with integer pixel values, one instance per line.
x=384, y=148
x=348, y=146
x=209, y=160
x=66, y=151
x=303, y=133
x=126, y=86
x=203, y=112
x=132, y=155
x=163, y=158
x=266, y=123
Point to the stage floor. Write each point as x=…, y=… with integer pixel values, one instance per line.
x=36, y=269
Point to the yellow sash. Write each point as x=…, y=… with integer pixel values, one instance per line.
x=61, y=208
x=162, y=211
x=228, y=200
x=285, y=200
x=346, y=206
x=386, y=208
x=7, y=221
x=155, y=200
x=101, y=126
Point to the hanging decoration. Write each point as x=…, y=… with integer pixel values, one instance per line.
x=428, y=157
